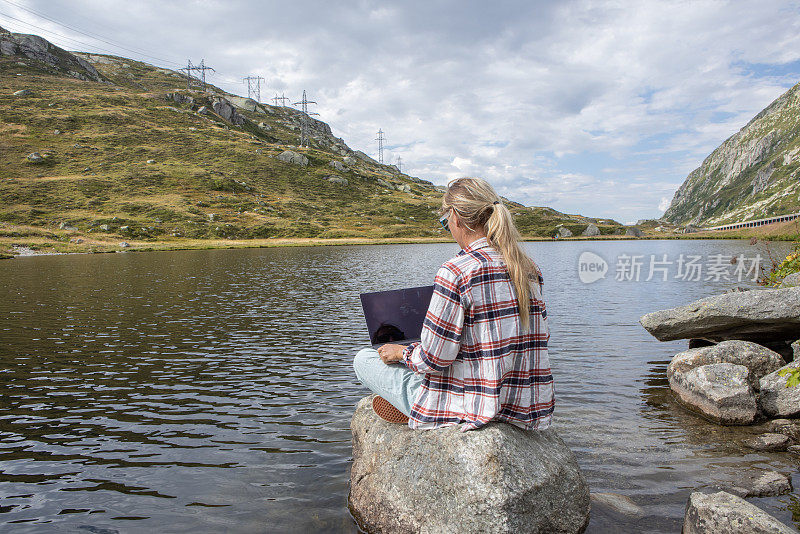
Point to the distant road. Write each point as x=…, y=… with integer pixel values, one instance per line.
x=757, y=222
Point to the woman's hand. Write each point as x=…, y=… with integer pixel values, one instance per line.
x=391, y=353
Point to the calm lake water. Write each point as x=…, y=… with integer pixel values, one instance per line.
x=211, y=391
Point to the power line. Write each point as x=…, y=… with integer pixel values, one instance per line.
x=189, y=68
x=282, y=99
x=254, y=86
x=304, y=120
x=380, y=139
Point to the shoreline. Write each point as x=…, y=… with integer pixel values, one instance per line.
x=38, y=246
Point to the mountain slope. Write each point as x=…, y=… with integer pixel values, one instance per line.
x=753, y=174
x=137, y=156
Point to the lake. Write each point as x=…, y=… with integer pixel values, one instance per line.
x=212, y=391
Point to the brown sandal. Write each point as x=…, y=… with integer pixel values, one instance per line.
x=387, y=412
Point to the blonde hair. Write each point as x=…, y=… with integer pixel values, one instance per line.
x=479, y=207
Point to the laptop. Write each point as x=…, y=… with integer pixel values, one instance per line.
x=396, y=316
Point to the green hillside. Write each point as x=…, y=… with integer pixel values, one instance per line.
x=754, y=174
x=137, y=157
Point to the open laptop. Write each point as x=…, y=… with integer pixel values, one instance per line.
x=396, y=316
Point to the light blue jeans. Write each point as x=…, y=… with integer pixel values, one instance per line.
x=394, y=382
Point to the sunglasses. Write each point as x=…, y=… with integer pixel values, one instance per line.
x=443, y=221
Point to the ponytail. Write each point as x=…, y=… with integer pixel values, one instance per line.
x=479, y=206
x=502, y=234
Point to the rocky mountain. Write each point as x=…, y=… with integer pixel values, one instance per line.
x=754, y=174
x=98, y=148
x=47, y=55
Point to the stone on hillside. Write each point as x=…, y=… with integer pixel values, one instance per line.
x=337, y=165
x=760, y=361
x=777, y=400
x=591, y=230
x=334, y=179
x=404, y=188
x=179, y=98
x=264, y=126
x=124, y=244
x=792, y=280
x=796, y=349
x=723, y=513
x=719, y=391
x=496, y=479
x=227, y=111
x=35, y=158
x=756, y=315
x=633, y=231
x=384, y=183
x=690, y=229
x=360, y=155
x=68, y=228
x=563, y=232
x=768, y=441
x=349, y=160
x=289, y=156
x=151, y=161
x=203, y=110
x=104, y=227
x=23, y=92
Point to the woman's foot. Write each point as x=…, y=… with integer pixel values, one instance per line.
x=387, y=412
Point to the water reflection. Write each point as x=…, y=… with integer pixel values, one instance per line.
x=213, y=390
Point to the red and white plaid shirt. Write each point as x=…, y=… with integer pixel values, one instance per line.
x=479, y=364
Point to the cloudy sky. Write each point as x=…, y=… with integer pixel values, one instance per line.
x=594, y=107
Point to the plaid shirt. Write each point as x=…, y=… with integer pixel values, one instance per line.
x=478, y=363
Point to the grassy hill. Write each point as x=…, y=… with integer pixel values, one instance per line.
x=136, y=157
x=754, y=174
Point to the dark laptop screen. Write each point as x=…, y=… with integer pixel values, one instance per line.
x=396, y=315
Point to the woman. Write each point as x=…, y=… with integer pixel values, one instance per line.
x=483, y=351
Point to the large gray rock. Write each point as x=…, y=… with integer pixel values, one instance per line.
x=719, y=391
x=796, y=349
x=793, y=280
x=39, y=49
x=496, y=479
x=293, y=157
x=335, y=179
x=563, y=232
x=337, y=165
x=775, y=399
x=756, y=315
x=723, y=513
x=591, y=230
x=761, y=483
x=349, y=160
x=759, y=360
x=227, y=111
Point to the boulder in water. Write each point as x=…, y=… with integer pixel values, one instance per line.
x=723, y=513
x=756, y=315
x=499, y=478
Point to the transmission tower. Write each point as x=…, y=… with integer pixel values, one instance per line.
x=196, y=68
x=304, y=122
x=400, y=164
x=380, y=139
x=282, y=99
x=253, y=87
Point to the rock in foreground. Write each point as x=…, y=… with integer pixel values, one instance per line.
x=723, y=513
x=496, y=479
x=719, y=391
x=756, y=315
x=776, y=399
